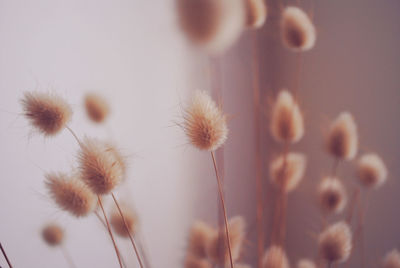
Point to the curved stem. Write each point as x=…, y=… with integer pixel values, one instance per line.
x=5, y=256
x=75, y=136
x=67, y=256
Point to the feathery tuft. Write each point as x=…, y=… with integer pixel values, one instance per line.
x=275, y=257
x=48, y=113
x=298, y=31
x=96, y=107
x=372, y=171
x=204, y=123
x=70, y=194
x=287, y=120
x=332, y=195
x=53, y=234
x=306, y=263
x=195, y=262
x=117, y=222
x=335, y=242
x=199, y=237
x=256, y=13
x=392, y=259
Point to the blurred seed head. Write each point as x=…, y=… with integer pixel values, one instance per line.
x=392, y=259
x=275, y=257
x=256, y=13
x=199, y=237
x=332, y=195
x=335, y=242
x=306, y=263
x=372, y=171
x=97, y=107
x=53, y=234
x=196, y=262
x=47, y=113
x=298, y=31
x=287, y=120
x=117, y=222
x=204, y=123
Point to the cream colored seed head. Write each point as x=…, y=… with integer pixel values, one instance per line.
x=53, y=234
x=97, y=107
x=332, y=195
x=275, y=257
x=372, y=171
x=256, y=13
x=118, y=224
x=335, y=242
x=199, y=237
x=392, y=259
x=306, y=263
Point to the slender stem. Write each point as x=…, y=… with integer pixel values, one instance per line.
x=335, y=166
x=110, y=232
x=329, y=264
x=5, y=256
x=142, y=249
x=75, y=136
x=221, y=195
x=128, y=231
x=67, y=256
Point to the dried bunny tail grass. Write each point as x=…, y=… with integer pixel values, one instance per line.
x=298, y=31
x=256, y=13
x=196, y=262
x=211, y=24
x=100, y=168
x=48, y=113
x=391, y=259
x=275, y=257
x=335, y=242
x=342, y=141
x=287, y=124
x=199, y=237
x=70, y=194
x=204, y=123
x=372, y=171
x=117, y=222
x=332, y=195
x=217, y=249
x=287, y=170
x=306, y=263
x=97, y=107
x=53, y=234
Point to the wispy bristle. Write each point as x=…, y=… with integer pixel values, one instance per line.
x=204, y=123
x=298, y=31
x=117, y=222
x=342, y=140
x=287, y=120
x=306, y=263
x=195, y=262
x=275, y=257
x=287, y=171
x=70, y=194
x=199, y=237
x=335, y=242
x=256, y=13
x=372, y=171
x=332, y=195
x=100, y=167
x=392, y=259
x=48, y=113
x=96, y=107
x=53, y=234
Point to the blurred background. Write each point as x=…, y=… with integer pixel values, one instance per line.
x=133, y=53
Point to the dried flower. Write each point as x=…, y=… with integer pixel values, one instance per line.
x=70, y=194
x=256, y=13
x=287, y=120
x=335, y=242
x=372, y=171
x=205, y=124
x=100, y=168
x=332, y=195
x=392, y=259
x=200, y=235
x=48, y=113
x=342, y=139
x=298, y=31
x=195, y=262
x=286, y=171
x=275, y=257
x=306, y=263
x=96, y=107
x=117, y=222
x=53, y=234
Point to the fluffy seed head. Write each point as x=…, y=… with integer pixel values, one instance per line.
x=256, y=13
x=199, y=237
x=212, y=24
x=332, y=195
x=275, y=257
x=335, y=242
x=195, y=262
x=204, y=123
x=70, y=194
x=100, y=167
x=53, y=234
x=117, y=222
x=305, y=263
x=287, y=120
x=342, y=141
x=298, y=31
x=392, y=259
x=47, y=113
x=287, y=172
x=96, y=107
x=372, y=171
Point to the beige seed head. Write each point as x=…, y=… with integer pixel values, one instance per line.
x=306, y=263
x=96, y=107
x=211, y=24
x=204, y=123
x=70, y=194
x=287, y=172
x=275, y=257
x=342, y=141
x=100, y=167
x=372, y=171
x=335, y=242
x=199, y=237
x=256, y=13
x=47, y=113
x=287, y=120
x=298, y=31
x=117, y=222
x=332, y=195
x=53, y=234
x=195, y=262
x=392, y=259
